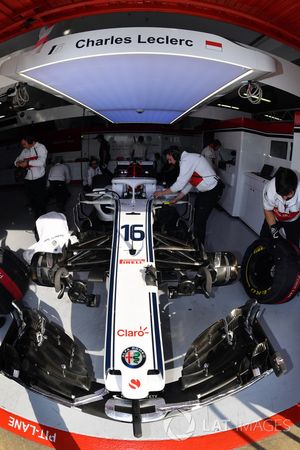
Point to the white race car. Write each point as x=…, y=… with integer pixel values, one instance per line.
x=130, y=251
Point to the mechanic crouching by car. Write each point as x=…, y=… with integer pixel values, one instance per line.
x=281, y=199
x=194, y=171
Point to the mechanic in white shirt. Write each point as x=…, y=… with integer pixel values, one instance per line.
x=59, y=177
x=281, y=199
x=92, y=171
x=33, y=157
x=139, y=149
x=194, y=171
x=211, y=152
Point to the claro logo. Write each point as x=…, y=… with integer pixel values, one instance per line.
x=124, y=332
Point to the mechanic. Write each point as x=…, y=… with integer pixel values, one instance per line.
x=211, y=152
x=104, y=151
x=281, y=200
x=93, y=170
x=139, y=150
x=58, y=178
x=194, y=171
x=33, y=157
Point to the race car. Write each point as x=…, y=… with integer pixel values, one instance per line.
x=130, y=251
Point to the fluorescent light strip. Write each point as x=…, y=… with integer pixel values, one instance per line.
x=263, y=99
x=213, y=93
x=64, y=95
x=227, y=106
x=1, y=117
x=272, y=117
x=255, y=96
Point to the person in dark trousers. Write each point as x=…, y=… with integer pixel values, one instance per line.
x=194, y=171
x=157, y=163
x=59, y=177
x=281, y=199
x=104, y=157
x=104, y=151
x=33, y=157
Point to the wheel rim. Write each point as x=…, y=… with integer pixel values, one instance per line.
x=261, y=271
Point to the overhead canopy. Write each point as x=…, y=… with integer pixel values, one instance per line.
x=139, y=74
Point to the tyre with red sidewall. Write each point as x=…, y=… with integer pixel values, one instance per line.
x=270, y=271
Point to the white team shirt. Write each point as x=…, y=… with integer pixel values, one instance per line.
x=210, y=154
x=194, y=171
x=284, y=210
x=139, y=150
x=59, y=172
x=36, y=157
x=92, y=173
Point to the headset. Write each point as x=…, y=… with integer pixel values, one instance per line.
x=174, y=151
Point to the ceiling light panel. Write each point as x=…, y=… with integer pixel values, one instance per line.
x=117, y=73
x=108, y=84
x=148, y=116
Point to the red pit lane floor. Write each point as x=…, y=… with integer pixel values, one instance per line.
x=288, y=439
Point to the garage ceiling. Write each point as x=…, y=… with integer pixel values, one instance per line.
x=279, y=20
x=265, y=25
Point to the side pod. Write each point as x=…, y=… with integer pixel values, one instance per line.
x=230, y=355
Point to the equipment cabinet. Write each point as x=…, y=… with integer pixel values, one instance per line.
x=252, y=201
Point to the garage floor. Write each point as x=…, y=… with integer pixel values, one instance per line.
x=182, y=319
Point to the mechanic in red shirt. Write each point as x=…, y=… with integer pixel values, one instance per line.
x=281, y=199
x=194, y=171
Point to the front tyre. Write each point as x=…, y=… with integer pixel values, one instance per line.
x=270, y=271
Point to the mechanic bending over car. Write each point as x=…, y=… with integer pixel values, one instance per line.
x=194, y=171
x=281, y=199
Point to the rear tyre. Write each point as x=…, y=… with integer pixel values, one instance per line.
x=14, y=280
x=270, y=271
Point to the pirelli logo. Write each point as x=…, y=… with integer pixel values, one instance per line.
x=131, y=261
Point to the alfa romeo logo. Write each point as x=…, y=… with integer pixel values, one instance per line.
x=133, y=357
